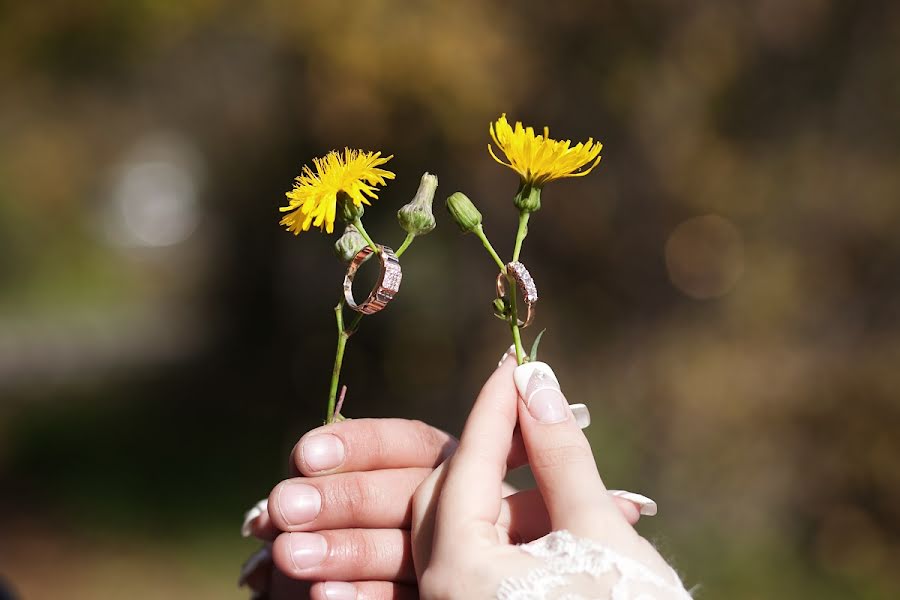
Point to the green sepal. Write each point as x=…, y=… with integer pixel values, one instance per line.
x=532, y=356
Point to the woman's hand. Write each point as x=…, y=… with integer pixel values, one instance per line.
x=463, y=528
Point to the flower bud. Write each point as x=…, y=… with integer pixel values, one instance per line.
x=501, y=308
x=417, y=217
x=528, y=198
x=349, y=244
x=463, y=212
x=347, y=209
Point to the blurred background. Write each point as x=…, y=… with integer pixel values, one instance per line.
x=723, y=291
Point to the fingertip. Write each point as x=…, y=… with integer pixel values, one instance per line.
x=645, y=506
x=370, y=445
x=334, y=590
x=281, y=554
x=539, y=389
x=319, y=452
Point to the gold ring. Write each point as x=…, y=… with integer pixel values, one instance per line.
x=524, y=282
x=388, y=281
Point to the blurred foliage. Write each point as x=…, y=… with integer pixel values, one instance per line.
x=161, y=347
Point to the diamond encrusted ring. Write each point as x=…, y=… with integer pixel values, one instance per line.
x=388, y=282
x=526, y=285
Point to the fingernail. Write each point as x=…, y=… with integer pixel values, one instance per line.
x=582, y=414
x=323, y=452
x=647, y=506
x=253, y=514
x=307, y=549
x=298, y=503
x=509, y=352
x=339, y=590
x=539, y=388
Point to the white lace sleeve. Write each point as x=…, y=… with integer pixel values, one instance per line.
x=580, y=569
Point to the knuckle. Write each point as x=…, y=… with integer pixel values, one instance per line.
x=359, y=549
x=371, y=437
x=430, y=441
x=353, y=494
x=562, y=456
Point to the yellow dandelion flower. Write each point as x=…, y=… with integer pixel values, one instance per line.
x=351, y=175
x=538, y=159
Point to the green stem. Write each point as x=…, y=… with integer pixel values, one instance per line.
x=479, y=231
x=521, y=233
x=357, y=222
x=409, y=240
x=343, y=336
x=514, y=325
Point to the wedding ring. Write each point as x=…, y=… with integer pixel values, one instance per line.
x=525, y=283
x=388, y=281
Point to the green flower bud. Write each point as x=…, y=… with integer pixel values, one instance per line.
x=463, y=212
x=501, y=308
x=349, y=244
x=528, y=198
x=347, y=209
x=417, y=217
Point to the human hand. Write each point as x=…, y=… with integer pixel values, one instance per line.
x=463, y=529
x=352, y=495
x=364, y=496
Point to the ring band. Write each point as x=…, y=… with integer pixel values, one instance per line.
x=388, y=281
x=526, y=286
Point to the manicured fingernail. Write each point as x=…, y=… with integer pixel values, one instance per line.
x=339, y=590
x=509, y=352
x=539, y=388
x=307, y=549
x=647, y=506
x=298, y=503
x=253, y=514
x=582, y=414
x=323, y=452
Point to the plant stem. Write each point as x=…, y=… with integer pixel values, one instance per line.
x=521, y=233
x=479, y=231
x=409, y=240
x=514, y=325
x=362, y=231
x=343, y=336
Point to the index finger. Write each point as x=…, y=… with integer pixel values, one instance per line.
x=370, y=444
x=473, y=486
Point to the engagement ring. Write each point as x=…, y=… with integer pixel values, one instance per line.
x=388, y=281
x=525, y=283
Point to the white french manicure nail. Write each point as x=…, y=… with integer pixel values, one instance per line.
x=253, y=514
x=509, y=351
x=539, y=388
x=647, y=506
x=256, y=560
x=582, y=415
x=524, y=373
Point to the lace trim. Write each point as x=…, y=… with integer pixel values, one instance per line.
x=572, y=564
